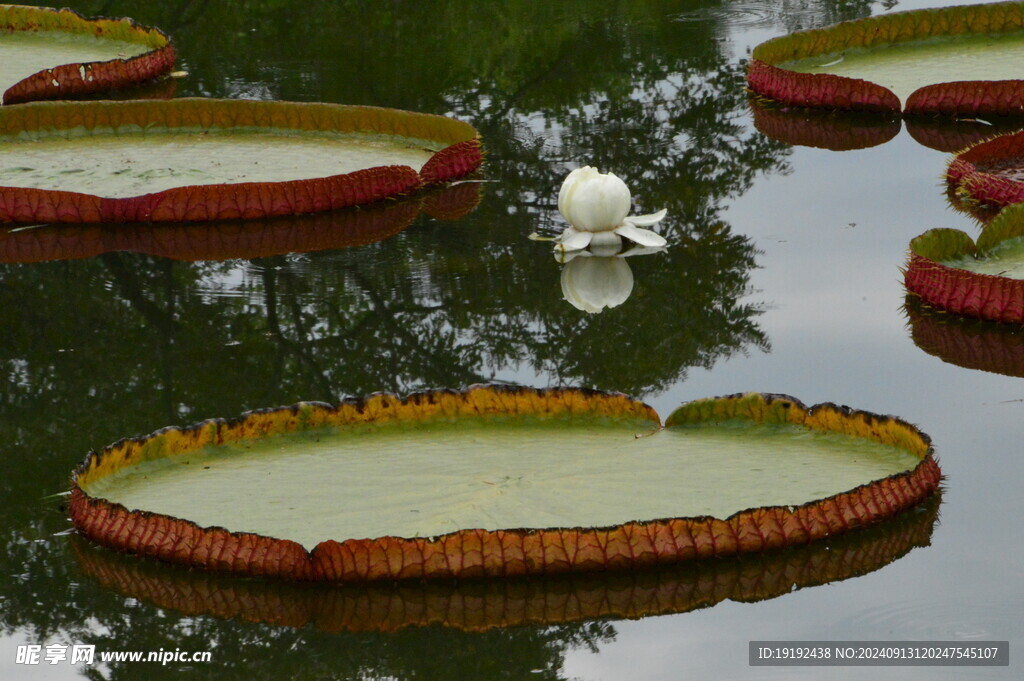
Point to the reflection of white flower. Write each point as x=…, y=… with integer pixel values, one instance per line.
x=599, y=278
x=595, y=206
x=592, y=284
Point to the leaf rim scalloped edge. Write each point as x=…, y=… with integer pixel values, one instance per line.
x=509, y=552
x=965, y=172
x=70, y=80
x=963, y=292
x=246, y=239
x=829, y=91
x=536, y=601
x=462, y=155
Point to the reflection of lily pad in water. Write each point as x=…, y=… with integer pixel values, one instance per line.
x=352, y=493
x=967, y=59
x=51, y=54
x=230, y=239
x=479, y=605
x=948, y=270
x=970, y=343
x=217, y=159
x=846, y=130
x=991, y=172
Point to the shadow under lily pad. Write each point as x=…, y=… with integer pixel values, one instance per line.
x=224, y=240
x=497, y=481
x=969, y=343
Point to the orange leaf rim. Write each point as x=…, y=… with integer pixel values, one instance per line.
x=461, y=155
x=231, y=239
x=70, y=80
x=509, y=552
x=822, y=90
x=990, y=172
x=481, y=605
x=960, y=291
x=969, y=343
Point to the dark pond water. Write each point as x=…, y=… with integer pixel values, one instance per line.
x=782, y=275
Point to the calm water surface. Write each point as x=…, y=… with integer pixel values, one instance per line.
x=782, y=276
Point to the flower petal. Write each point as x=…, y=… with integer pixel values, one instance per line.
x=649, y=219
x=641, y=250
x=644, y=237
x=574, y=240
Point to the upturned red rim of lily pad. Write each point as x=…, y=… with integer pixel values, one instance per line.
x=61, y=81
x=232, y=239
x=511, y=415
x=969, y=343
x=990, y=172
x=768, y=75
x=941, y=270
x=482, y=605
x=120, y=147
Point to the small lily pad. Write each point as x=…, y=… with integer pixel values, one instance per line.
x=991, y=172
x=497, y=482
x=481, y=605
x=948, y=270
x=956, y=60
x=203, y=159
x=55, y=54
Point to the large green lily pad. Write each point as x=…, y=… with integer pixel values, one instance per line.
x=54, y=54
x=199, y=159
x=498, y=482
x=955, y=60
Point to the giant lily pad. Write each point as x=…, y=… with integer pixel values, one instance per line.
x=990, y=172
x=224, y=240
x=969, y=343
x=954, y=60
x=497, y=482
x=948, y=270
x=480, y=605
x=201, y=159
x=55, y=54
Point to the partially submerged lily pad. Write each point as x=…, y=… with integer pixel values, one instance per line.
x=202, y=159
x=497, y=482
x=969, y=343
x=224, y=240
x=480, y=605
x=55, y=54
x=955, y=60
x=990, y=172
x=948, y=270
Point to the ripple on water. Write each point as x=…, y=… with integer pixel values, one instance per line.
x=940, y=620
x=736, y=15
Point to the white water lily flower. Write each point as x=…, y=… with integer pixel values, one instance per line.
x=596, y=205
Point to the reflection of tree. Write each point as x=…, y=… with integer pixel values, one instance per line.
x=122, y=344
